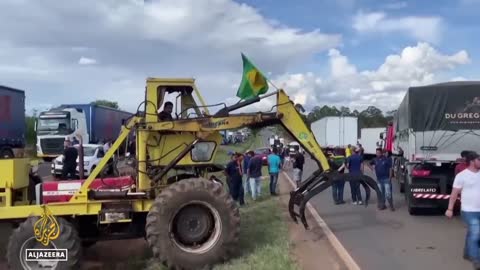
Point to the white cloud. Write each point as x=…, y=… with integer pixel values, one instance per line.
x=383, y=87
x=134, y=40
x=426, y=28
x=86, y=61
x=339, y=65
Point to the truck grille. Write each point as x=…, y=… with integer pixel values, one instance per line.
x=52, y=146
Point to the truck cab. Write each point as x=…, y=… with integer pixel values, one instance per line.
x=56, y=125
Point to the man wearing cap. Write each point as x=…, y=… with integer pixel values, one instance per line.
x=467, y=183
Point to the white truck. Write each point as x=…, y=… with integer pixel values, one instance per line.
x=336, y=131
x=432, y=126
x=370, y=140
x=93, y=123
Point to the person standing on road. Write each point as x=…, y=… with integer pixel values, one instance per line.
x=355, y=168
x=348, y=151
x=234, y=173
x=383, y=170
x=467, y=183
x=337, y=186
x=274, y=165
x=255, y=174
x=299, y=161
x=462, y=165
x=70, y=155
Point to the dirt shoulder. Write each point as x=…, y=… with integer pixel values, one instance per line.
x=310, y=249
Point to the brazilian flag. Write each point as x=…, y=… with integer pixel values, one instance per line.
x=253, y=82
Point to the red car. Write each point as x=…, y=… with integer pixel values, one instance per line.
x=263, y=152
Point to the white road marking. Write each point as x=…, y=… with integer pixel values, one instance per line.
x=339, y=248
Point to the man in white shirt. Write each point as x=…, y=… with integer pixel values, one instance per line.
x=467, y=183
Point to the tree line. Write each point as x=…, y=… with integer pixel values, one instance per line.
x=371, y=117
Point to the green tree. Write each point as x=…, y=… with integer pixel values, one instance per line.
x=106, y=103
x=30, y=134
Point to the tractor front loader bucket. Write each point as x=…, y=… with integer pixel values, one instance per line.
x=318, y=182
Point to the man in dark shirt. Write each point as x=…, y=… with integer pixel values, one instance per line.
x=337, y=186
x=383, y=170
x=355, y=167
x=234, y=173
x=70, y=155
x=255, y=174
x=298, y=162
x=166, y=114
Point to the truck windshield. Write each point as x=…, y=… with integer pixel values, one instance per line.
x=59, y=126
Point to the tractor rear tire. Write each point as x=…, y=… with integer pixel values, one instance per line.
x=23, y=237
x=193, y=224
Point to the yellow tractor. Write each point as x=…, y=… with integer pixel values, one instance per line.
x=171, y=199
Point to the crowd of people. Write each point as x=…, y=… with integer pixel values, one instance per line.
x=355, y=165
x=244, y=173
x=466, y=185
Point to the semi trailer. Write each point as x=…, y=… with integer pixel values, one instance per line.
x=432, y=126
x=93, y=123
x=370, y=138
x=12, y=121
x=336, y=131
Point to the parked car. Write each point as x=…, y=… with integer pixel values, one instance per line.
x=263, y=152
x=92, y=154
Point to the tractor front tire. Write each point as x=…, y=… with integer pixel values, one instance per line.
x=23, y=237
x=193, y=224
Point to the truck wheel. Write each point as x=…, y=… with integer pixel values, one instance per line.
x=6, y=153
x=412, y=210
x=192, y=224
x=23, y=238
x=402, y=184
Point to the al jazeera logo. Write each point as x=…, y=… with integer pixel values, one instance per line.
x=46, y=229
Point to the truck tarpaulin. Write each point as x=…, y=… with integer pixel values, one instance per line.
x=446, y=106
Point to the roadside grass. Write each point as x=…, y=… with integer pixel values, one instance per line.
x=264, y=238
x=264, y=242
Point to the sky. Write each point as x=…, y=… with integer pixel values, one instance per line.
x=354, y=53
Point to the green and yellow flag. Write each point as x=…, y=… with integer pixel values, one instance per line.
x=253, y=82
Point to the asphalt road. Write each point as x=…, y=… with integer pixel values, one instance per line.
x=379, y=240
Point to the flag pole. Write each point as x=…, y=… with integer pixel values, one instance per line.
x=270, y=82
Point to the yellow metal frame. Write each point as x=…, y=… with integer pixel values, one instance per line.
x=149, y=129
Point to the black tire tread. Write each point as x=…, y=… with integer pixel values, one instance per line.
x=160, y=208
x=67, y=239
